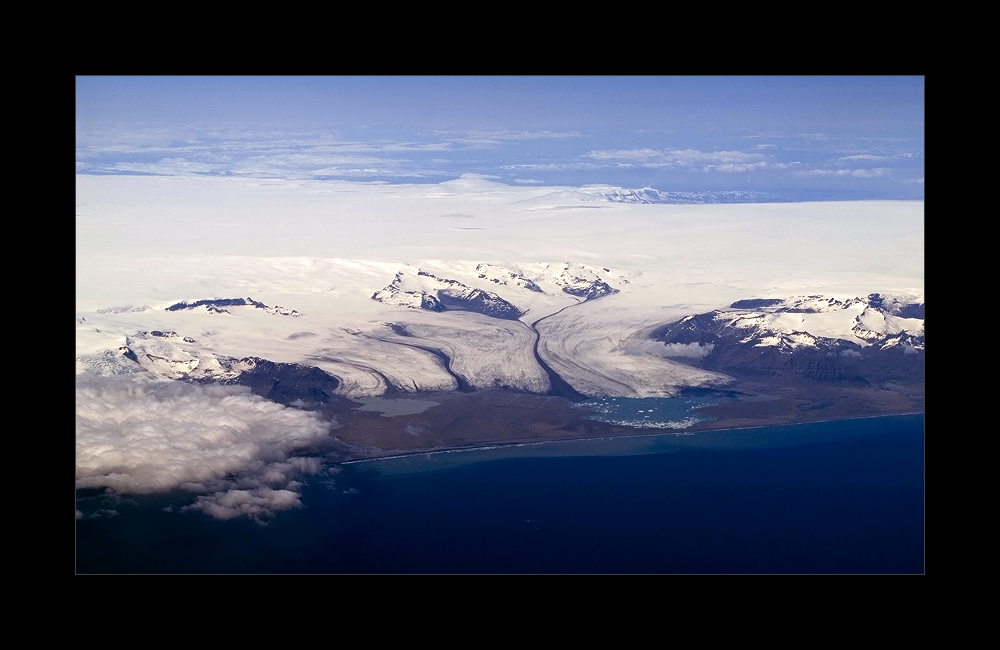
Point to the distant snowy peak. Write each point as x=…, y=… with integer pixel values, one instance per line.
x=651, y=195
x=644, y=195
x=158, y=334
x=218, y=306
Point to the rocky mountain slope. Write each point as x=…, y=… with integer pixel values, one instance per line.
x=416, y=288
x=861, y=340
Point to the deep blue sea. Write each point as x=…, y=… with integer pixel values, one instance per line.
x=829, y=497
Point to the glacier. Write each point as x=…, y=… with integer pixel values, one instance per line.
x=221, y=314
x=426, y=308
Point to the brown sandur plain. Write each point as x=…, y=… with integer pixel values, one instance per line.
x=498, y=417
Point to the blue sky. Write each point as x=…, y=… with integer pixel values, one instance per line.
x=796, y=137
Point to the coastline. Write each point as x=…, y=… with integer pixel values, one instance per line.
x=642, y=433
x=487, y=420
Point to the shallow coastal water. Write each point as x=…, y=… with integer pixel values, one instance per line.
x=826, y=497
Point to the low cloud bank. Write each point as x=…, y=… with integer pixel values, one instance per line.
x=239, y=449
x=668, y=350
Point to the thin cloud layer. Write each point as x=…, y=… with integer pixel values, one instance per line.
x=724, y=161
x=877, y=172
x=713, y=133
x=501, y=154
x=143, y=438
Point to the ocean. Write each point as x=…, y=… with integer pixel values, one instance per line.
x=838, y=497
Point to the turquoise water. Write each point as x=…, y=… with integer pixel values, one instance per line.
x=668, y=413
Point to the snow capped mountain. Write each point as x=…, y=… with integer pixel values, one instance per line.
x=861, y=339
x=423, y=290
x=218, y=305
x=578, y=280
x=167, y=355
x=503, y=276
x=810, y=321
x=416, y=288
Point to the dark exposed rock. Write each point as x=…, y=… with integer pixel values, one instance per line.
x=216, y=306
x=448, y=295
x=516, y=278
x=755, y=303
x=285, y=383
x=588, y=288
x=128, y=353
x=915, y=310
x=479, y=301
x=751, y=353
x=399, y=329
x=591, y=291
x=217, y=303
x=430, y=303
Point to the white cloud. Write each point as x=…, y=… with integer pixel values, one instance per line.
x=687, y=350
x=668, y=350
x=869, y=157
x=553, y=167
x=742, y=167
x=167, y=166
x=238, y=152
x=147, y=437
x=876, y=172
x=627, y=154
x=707, y=161
x=255, y=504
x=492, y=138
